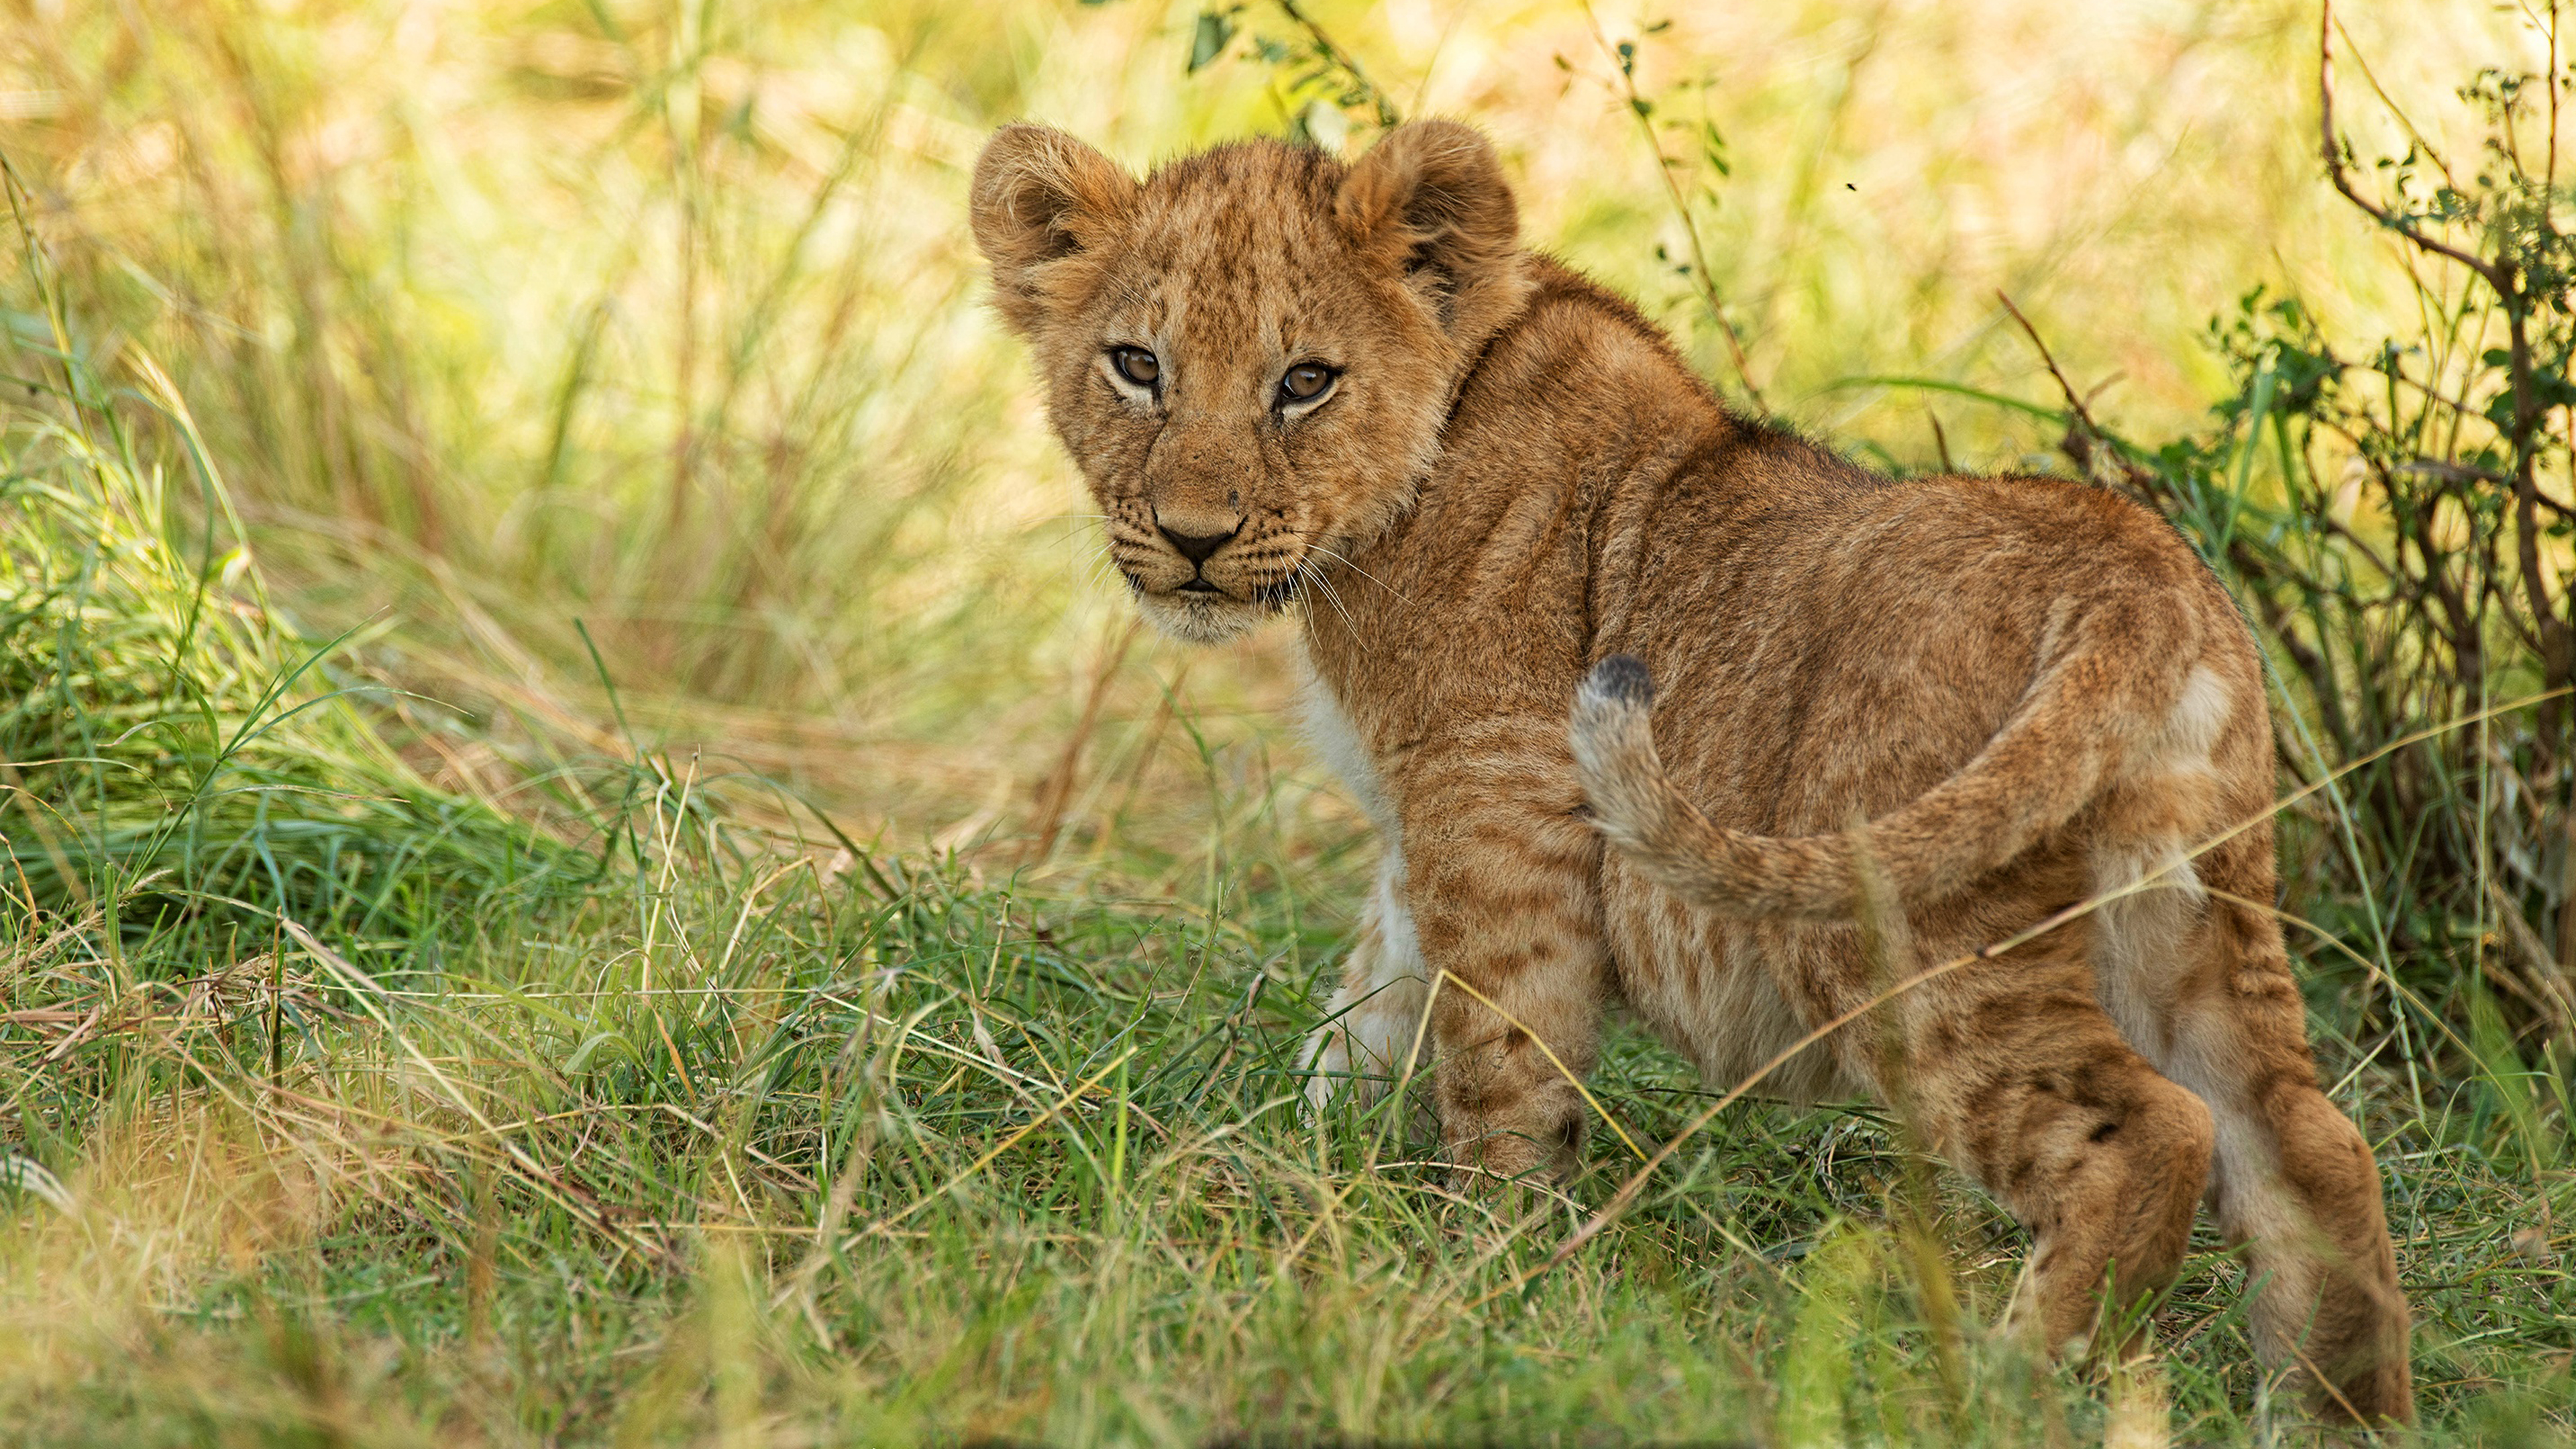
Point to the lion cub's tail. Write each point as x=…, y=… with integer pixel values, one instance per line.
x=2048, y=761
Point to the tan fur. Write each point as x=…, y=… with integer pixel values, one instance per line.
x=2031, y=691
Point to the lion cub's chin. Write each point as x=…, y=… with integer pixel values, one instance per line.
x=1202, y=618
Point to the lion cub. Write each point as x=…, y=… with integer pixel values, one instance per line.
x=1499, y=494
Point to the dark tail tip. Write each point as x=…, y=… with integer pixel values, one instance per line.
x=1621, y=678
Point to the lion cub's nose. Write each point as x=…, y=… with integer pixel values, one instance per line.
x=1196, y=546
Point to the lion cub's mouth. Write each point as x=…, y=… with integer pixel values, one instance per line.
x=1205, y=611
x=1278, y=593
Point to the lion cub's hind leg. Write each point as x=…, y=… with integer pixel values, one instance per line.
x=2295, y=1182
x=2018, y=1074
x=1367, y=1039
x=2191, y=965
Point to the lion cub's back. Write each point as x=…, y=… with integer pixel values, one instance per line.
x=1849, y=642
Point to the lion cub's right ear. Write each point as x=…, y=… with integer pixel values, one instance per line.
x=1041, y=197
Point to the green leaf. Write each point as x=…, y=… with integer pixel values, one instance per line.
x=2265, y=380
x=1209, y=41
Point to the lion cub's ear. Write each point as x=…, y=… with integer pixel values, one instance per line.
x=1430, y=196
x=1040, y=197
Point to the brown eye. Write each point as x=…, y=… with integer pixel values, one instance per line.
x=1136, y=365
x=1305, y=382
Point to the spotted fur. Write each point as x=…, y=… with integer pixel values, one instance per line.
x=2009, y=694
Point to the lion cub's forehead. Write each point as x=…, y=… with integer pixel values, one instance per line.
x=1245, y=184
x=1229, y=244
x=1256, y=208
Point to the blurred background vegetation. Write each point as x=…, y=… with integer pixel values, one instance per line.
x=660, y=315
x=561, y=742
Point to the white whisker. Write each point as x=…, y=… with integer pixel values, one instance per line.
x=1333, y=597
x=1363, y=573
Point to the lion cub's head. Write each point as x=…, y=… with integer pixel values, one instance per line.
x=1249, y=353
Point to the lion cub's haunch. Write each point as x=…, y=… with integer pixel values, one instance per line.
x=1492, y=492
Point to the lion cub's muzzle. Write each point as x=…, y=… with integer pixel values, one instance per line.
x=1208, y=559
x=1211, y=584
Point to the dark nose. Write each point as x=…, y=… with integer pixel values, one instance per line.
x=1197, y=546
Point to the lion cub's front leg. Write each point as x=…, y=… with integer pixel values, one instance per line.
x=1503, y=882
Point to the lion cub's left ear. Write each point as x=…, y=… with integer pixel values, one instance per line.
x=1430, y=196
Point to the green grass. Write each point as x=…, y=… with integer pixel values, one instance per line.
x=729, y=1154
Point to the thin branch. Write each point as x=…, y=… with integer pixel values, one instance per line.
x=2084, y=436
x=2422, y=142
x=1700, y=275
x=2332, y=150
x=2549, y=178
x=1941, y=441
x=2074, y=399
x=2457, y=407
x=1341, y=60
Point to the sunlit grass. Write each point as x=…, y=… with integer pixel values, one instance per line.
x=662, y=317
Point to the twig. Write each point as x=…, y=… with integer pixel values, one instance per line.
x=2074, y=399
x=2332, y=151
x=2327, y=1384
x=1700, y=276
x=1340, y=59
x=1055, y=795
x=2555, y=998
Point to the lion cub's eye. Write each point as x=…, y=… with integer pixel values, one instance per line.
x=1136, y=365
x=1305, y=382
